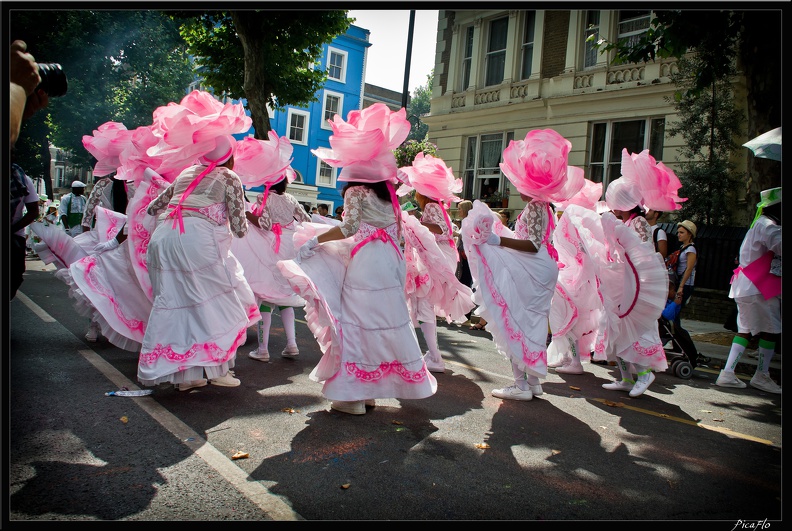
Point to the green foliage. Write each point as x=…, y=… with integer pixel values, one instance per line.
x=120, y=66
x=406, y=153
x=708, y=121
x=418, y=106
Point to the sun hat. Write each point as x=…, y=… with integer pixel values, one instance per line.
x=689, y=226
x=78, y=184
x=43, y=197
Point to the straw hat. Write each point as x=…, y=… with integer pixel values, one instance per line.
x=689, y=226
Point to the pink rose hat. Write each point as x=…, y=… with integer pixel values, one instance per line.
x=658, y=184
x=538, y=166
x=587, y=197
x=431, y=178
x=259, y=162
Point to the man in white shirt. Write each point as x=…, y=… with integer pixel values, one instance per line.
x=659, y=236
x=71, y=209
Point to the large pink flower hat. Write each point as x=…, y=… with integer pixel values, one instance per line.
x=189, y=129
x=106, y=145
x=587, y=197
x=659, y=185
x=538, y=166
x=623, y=194
x=264, y=162
x=431, y=178
x=363, y=145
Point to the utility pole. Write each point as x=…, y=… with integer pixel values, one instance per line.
x=406, y=90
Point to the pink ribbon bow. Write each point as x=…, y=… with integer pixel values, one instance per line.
x=379, y=234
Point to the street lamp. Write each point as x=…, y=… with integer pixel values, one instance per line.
x=406, y=89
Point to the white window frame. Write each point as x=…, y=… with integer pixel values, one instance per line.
x=631, y=29
x=609, y=168
x=467, y=60
x=474, y=174
x=527, y=48
x=307, y=116
x=345, y=56
x=590, y=56
x=320, y=182
x=491, y=55
x=340, y=112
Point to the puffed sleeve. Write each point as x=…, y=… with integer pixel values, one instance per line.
x=160, y=203
x=353, y=210
x=235, y=204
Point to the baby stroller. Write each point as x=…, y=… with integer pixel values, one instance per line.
x=680, y=362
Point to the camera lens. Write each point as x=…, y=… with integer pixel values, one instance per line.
x=53, y=79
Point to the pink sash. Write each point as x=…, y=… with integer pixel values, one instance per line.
x=758, y=272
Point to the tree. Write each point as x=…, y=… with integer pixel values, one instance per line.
x=120, y=65
x=262, y=56
x=418, y=106
x=721, y=39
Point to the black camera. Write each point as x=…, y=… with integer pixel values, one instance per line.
x=53, y=79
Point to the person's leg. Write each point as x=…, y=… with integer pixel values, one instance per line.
x=627, y=382
x=574, y=366
x=433, y=358
x=520, y=390
x=644, y=380
x=261, y=353
x=287, y=316
x=727, y=378
x=761, y=378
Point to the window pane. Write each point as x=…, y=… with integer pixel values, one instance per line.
x=468, y=59
x=491, y=150
x=331, y=106
x=656, y=141
x=592, y=28
x=296, y=129
x=497, y=37
x=528, y=44
x=496, y=51
x=632, y=24
x=495, y=68
x=628, y=135
x=336, y=65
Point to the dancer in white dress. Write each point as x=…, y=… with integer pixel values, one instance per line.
x=352, y=276
x=202, y=303
x=273, y=220
x=515, y=274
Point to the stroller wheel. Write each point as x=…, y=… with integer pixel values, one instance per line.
x=683, y=369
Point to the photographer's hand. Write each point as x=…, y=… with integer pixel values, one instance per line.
x=23, y=79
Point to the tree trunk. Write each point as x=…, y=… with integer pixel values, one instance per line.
x=248, y=28
x=761, y=63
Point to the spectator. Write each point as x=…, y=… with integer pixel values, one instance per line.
x=323, y=209
x=24, y=211
x=339, y=213
x=686, y=277
x=659, y=236
x=314, y=210
x=25, y=98
x=72, y=208
x=756, y=288
x=463, y=267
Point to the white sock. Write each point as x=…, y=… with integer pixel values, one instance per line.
x=735, y=353
x=765, y=355
x=626, y=369
x=531, y=379
x=642, y=371
x=519, y=377
x=264, y=329
x=287, y=316
x=429, y=330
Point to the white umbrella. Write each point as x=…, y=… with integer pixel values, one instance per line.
x=767, y=145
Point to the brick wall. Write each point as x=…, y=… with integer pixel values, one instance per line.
x=709, y=305
x=556, y=27
x=445, y=55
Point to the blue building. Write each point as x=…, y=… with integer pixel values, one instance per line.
x=307, y=128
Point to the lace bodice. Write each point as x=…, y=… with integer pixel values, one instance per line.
x=361, y=204
x=218, y=198
x=433, y=213
x=532, y=223
x=281, y=209
x=640, y=226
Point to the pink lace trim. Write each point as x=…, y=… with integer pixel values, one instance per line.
x=90, y=278
x=385, y=369
x=649, y=352
x=564, y=295
x=206, y=351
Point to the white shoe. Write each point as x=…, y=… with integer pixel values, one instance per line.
x=186, y=386
x=93, y=332
x=512, y=393
x=729, y=379
x=536, y=389
x=290, y=352
x=433, y=365
x=225, y=381
x=356, y=407
x=259, y=355
x=763, y=381
x=570, y=368
x=621, y=385
x=642, y=385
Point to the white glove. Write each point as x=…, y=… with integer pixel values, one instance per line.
x=493, y=239
x=109, y=245
x=307, y=250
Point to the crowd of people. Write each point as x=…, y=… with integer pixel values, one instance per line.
x=200, y=264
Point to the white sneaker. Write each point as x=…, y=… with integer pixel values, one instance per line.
x=621, y=385
x=512, y=393
x=356, y=407
x=433, y=365
x=225, y=381
x=290, y=352
x=570, y=368
x=93, y=332
x=186, y=386
x=729, y=379
x=763, y=381
x=536, y=389
x=642, y=385
x=259, y=355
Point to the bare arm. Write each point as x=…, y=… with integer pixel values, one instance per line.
x=526, y=246
x=332, y=234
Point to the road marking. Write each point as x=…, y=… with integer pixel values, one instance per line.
x=272, y=505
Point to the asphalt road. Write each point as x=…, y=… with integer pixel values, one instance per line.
x=684, y=451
